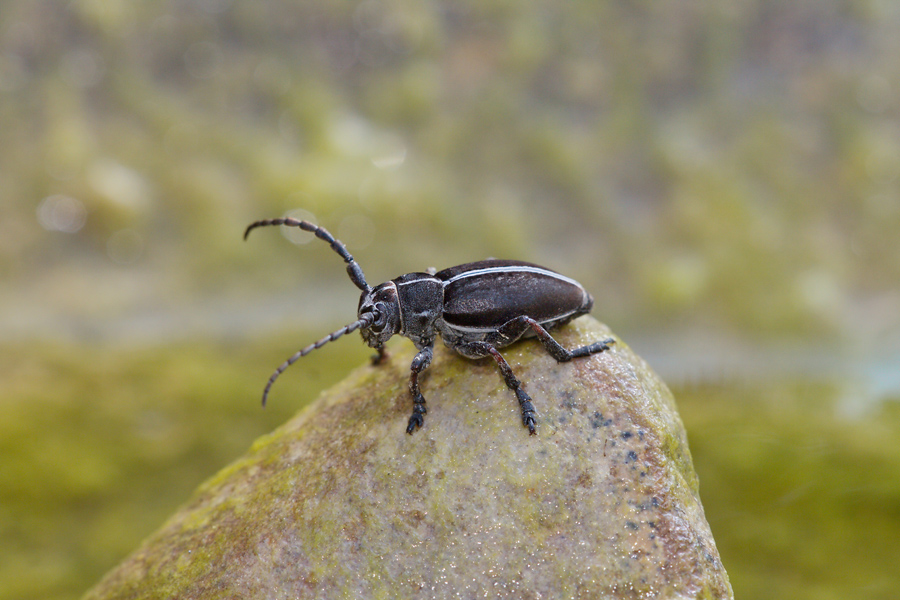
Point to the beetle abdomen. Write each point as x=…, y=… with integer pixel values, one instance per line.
x=488, y=293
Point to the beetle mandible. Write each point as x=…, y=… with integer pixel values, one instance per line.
x=476, y=308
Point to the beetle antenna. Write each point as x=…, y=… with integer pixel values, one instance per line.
x=353, y=269
x=364, y=321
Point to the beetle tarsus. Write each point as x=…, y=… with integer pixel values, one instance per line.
x=529, y=423
x=416, y=420
x=592, y=348
x=528, y=415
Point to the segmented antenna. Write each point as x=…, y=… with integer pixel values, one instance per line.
x=364, y=321
x=353, y=269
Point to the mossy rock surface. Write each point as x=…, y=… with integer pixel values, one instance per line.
x=341, y=503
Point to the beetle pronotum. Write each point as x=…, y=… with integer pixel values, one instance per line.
x=476, y=308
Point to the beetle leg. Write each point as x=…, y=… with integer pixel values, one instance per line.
x=380, y=357
x=486, y=349
x=514, y=328
x=419, y=364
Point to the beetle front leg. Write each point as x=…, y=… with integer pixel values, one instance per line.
x=381, y=356
x=419, y=364
x=486, y=349
x=514, y=328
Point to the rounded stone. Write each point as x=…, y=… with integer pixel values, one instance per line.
x=341, y=503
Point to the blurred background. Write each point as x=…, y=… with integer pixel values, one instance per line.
x=723, y=178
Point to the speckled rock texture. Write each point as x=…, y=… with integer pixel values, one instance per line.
x=341, y=503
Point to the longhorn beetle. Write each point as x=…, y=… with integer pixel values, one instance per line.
x=476, y=308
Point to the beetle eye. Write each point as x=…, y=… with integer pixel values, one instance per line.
x=380, y=320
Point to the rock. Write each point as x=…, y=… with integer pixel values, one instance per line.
x=341, y=503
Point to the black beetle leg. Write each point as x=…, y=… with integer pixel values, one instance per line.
x=514, y=328
x=419, y=364
x=486, y=349
x=380, y=357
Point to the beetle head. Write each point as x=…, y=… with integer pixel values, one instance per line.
x=383, y=306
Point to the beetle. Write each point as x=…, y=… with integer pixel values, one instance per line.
x=476, y=308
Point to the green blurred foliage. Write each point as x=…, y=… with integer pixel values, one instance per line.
x=100, y=446
x=802, y=497
x=727, y=165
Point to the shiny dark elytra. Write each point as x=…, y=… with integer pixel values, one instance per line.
x=476, y=308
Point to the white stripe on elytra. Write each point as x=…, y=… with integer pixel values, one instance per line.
x=512, y=269
x=413, y=281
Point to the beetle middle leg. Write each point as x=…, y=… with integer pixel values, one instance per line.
x=514, y=328
x=419, y=364
x=486, y=349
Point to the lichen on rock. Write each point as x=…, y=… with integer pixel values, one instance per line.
x=341, y=503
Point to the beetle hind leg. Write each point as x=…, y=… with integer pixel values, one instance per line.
x=486, y=349
x=512, y=330
x=419, y=364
